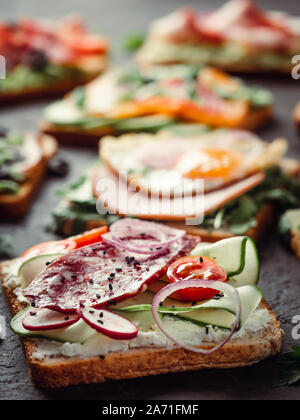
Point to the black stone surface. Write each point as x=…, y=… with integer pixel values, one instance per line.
x=280, y=277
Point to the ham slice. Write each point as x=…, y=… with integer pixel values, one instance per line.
x=118, y=198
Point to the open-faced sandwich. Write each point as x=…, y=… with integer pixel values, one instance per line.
x=247, y=181
x=48, y=58
x=142, y=299
x=23, y=163
x=289, y=229
x=238, y=37
x=122, y=101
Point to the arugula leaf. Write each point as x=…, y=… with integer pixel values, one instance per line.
x=289, y=365
x=240, y=215
x=133, y=42
x=73, y=186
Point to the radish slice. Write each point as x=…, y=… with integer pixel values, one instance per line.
x=228, y=290
x=47, y=319
x=109, y=323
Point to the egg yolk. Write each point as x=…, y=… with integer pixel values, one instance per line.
x=213, y=164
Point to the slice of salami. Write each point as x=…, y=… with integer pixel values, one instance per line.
x=101, y=274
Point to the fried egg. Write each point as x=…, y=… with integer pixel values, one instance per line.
x=168, y=166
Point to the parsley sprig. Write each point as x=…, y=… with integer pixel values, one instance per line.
x=289, y=365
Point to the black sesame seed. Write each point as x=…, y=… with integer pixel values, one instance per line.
x=104, y=252
x=32, y=313
x=207, y=330
x=67, y=318
x=63, y=279
x=98, y=296
x=110, y=286
x=194, y=303
x=48, y=263
x=102, y=357
x=73, y=276
x=91, y=281
x=201, y=260
x=118, y=270
x=218, y=296
x=101, y=315
x=33, y=304
x=91, y=312
x=112, y=302
x=160, y=304
x=112, y=274
x=82, y=305
x=99, y=321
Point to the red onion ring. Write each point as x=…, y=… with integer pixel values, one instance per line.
x=173, y=287
x=124, y=228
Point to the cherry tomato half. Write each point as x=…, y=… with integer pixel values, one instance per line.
x=202, y=268
x=67, y=245
x=51, y=247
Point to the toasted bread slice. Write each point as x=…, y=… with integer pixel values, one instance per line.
x=74, y=136
x=161, y=52
x=14, y=205
x=91, y=67
x=61, y=371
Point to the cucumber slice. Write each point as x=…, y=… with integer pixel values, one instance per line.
x=187, y=130
x=219, y=318
x=76, y=333
x=32, y=267
x=251, y=271
x=142, y=319
x=152, y=123
x=64, y=113
x=238, y=256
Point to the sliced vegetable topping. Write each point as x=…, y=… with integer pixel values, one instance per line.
x=90, y=237
x=67, y=245
x=238, y=256
x=98, y=274
x=46, y=319
x=185, y=284
x=193, y=268
x=52, y=247
x=142, y=237
x=35, y=265
x=109, y=323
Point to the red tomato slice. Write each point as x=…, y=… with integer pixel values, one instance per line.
x=67, y=245
x=202, y=268
x=52, y=247
x=90, y=237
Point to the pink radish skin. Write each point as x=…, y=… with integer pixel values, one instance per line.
x=43, y=319
x=108, y=323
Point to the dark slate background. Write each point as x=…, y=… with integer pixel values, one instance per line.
x=280, y=278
